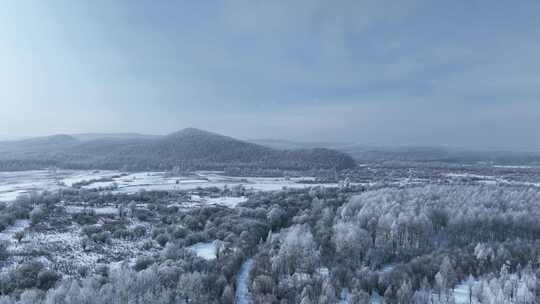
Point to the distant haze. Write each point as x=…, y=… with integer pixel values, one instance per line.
x=430, y=73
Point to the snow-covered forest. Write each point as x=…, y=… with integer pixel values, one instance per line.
x=370, y=235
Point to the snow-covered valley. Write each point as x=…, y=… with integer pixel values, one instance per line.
x=14, y=184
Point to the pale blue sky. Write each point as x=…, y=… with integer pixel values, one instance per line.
x=459, y=73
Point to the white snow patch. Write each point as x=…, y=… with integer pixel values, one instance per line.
x=97, y=210
x=512, y=167
x=324, y=272
x=468, y=175
x=461, y=292
x=387, y=268
x=18, y=226
x=227, y=200
x=207, y=251
x=87, y=176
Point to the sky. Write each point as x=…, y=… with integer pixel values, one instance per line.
x=461, y=73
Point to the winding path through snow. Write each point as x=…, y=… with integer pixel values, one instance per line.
x=242, y=284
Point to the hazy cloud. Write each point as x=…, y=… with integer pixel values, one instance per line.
x=382, y=72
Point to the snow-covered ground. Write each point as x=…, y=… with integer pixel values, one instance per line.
x=9, y=232
x=227, y=200
x=489, y=180
x=461, y=294
x=7, y=236
x=69, y=244
x=207, y=251
x=345, y=297
x=162, y=181
x=87, y=176
x=513, y=167
x=13, y=184
x=97, y=210
x=469, y=175
x=242, y=284
x=70, y=253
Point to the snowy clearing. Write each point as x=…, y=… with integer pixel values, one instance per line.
x=228, y=201
x=161, y=181
x=9, y=232
x=14, y=184
x=207, y=251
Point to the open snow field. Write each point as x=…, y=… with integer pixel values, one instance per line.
x=14, y=184
x=134, y=182
x=490, y=180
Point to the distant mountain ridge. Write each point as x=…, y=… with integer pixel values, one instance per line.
x=289, y=144
x=188, y=149
x=444, y=154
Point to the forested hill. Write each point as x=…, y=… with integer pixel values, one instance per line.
x=188, y=149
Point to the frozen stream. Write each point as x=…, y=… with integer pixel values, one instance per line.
x=242, y=284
